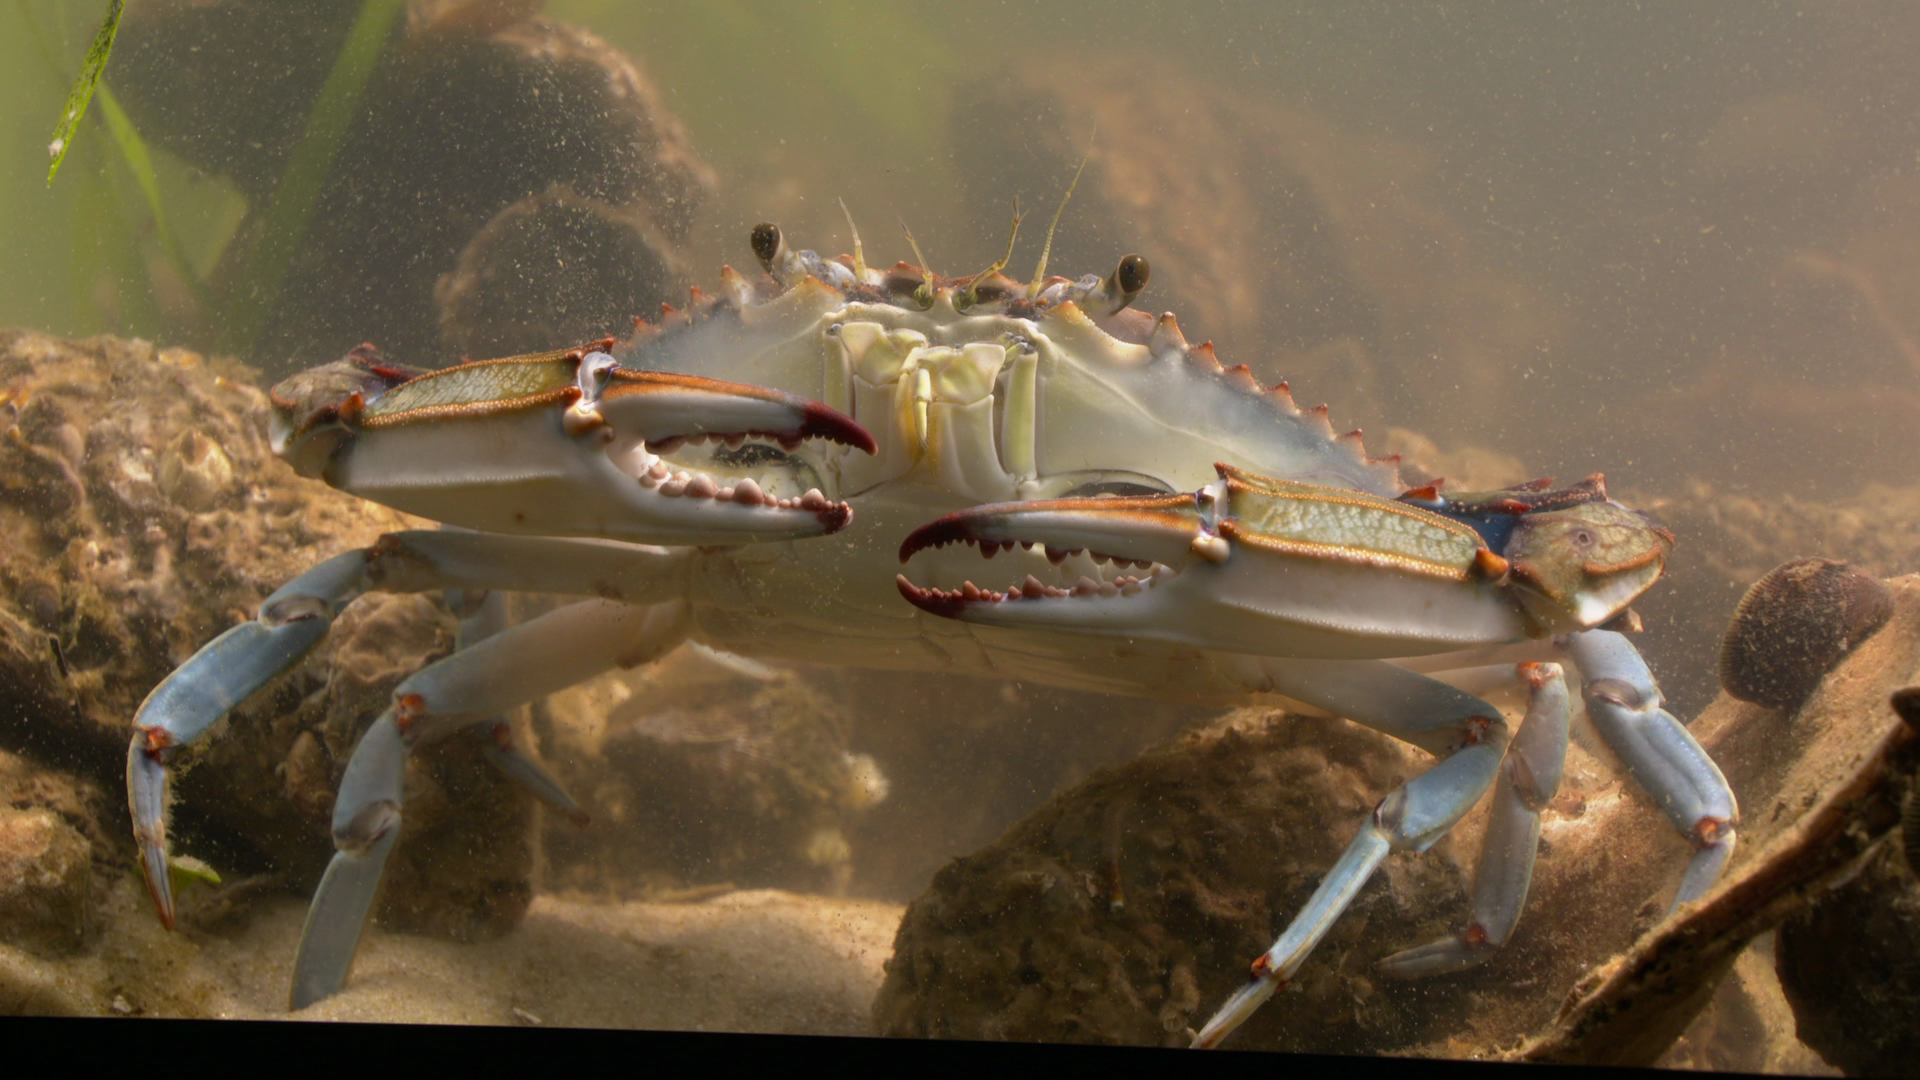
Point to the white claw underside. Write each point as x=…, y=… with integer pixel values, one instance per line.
x=1041, y=572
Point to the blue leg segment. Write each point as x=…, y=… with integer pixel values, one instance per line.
x=229, y=670
x=467, y=689
x=365, y=827
x=1466, y=732
x=295, y=619
x=1528, y=780
x=1660, y=755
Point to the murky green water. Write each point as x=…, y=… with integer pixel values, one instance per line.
x=1679, y=245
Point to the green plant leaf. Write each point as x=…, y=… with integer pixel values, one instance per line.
x=308, y=168
x=83, y=87
x=133, y=151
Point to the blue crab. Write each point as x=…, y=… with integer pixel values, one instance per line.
x=1174, y=529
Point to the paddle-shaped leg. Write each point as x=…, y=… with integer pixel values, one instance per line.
x=1659, y=754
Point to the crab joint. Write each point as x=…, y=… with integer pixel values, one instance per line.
x=580, y=418
x=365, y=828
x=1212, y=548
x=1709, y=831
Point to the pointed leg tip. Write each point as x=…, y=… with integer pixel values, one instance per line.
x=1235, y=1012
x=159, y=887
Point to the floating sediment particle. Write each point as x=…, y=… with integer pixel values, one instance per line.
x=1794, y=625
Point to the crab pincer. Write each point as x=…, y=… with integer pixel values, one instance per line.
x=570, y=443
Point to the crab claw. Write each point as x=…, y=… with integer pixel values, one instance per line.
x=1252, y=564
x=569, y=443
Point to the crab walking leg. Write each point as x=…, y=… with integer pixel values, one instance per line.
x=1528, y=780
x=366, y=822
x=1468, y=735
x=420, y=560
x=508, y=669
x=1662, y=757
x=297, y=616
x=204, y=689
x=486, y=615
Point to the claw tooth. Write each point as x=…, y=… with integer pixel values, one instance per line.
x=1033, y=587
x=675, y=487
x=702, y=487
x=748, y=493
x=1086, y=586
x=1056, y=556
x=970, y=591
x=725, y=494
x=734, y=442
x=1131, y=588
x=1109, y=589
x=1027, y=545
x=667, y=446
x=658, y=471
x=988, y=551
x=813, y=500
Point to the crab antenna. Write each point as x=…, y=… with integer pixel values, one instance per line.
x=859, y=259
x=973, y=284
x=1046, y=249
x=924, y=294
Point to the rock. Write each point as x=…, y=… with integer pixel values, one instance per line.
x=112, y=574
x=477, y=114
x=55, y=854
x=46, y=883
x=1794, y=625
x=698, y=776
x=1127, y=908
x=1850, y=964
x=1851, y=969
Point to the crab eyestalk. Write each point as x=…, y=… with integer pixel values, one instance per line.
x=567, y=443
x=1252, y=564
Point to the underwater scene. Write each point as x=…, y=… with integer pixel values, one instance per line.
x=821, y=519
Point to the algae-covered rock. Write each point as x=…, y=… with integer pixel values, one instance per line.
x=1126, y=909
x=510, y=180
x=141, y=514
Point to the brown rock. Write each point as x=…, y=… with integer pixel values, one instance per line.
x=1794, y=625
x=1126, y=909
x=46, y=883
x=111, y=575
x=474, y=109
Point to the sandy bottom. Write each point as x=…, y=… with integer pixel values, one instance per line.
x=760, y=961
